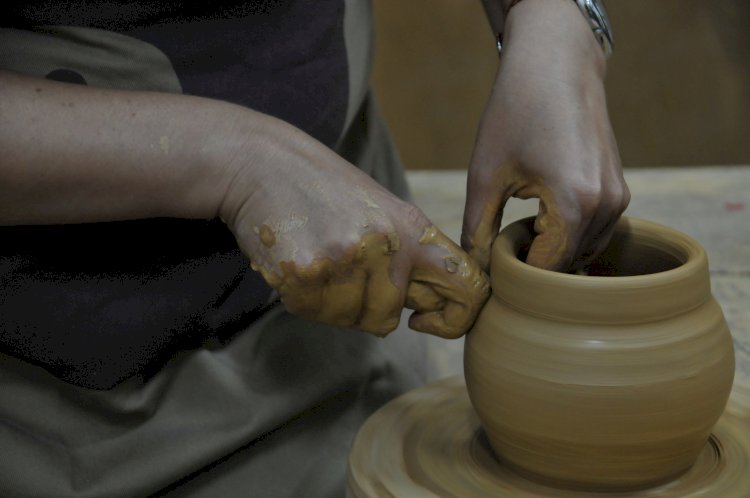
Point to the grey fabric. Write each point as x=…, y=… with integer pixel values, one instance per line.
x=369, y=145
x=272, y=414
x=358, y=36
x=103, y=58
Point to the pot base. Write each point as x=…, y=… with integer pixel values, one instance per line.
x=429, y=442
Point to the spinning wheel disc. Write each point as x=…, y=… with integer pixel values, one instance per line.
x=429, y=443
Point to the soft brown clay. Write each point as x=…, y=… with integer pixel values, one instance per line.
x=267, y=237
x=429, y=443
x=511, y=181
x=574, y=392
x=601, y=382
x=356, y=289
x=334, y=291
x=457, y=305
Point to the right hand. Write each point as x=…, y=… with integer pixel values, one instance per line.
x=341, y=249
x=545, y=133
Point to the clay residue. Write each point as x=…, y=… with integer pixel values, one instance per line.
x=550, y=248
x=459, y=284
x=272, y=230
x=392, y=244
x=354, y=290
x=267, y=237
x=288, y=223
x=367, y=198
x=451, y=264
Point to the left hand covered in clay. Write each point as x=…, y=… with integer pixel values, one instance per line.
x=546, y=134
x=338, y=247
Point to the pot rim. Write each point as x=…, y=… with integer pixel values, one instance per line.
x=584, y=298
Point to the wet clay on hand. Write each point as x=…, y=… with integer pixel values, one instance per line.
x=551, y=247
x=343, y=292
x=357, y=289
x=447, y=295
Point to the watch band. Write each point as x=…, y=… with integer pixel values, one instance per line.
x=595, y=13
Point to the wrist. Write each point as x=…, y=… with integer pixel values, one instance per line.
x=555, y=34
x=263, y=155
x=204, y=152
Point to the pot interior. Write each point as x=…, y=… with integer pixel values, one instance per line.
x=629, y=254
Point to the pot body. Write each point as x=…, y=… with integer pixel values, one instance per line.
x=601, y=382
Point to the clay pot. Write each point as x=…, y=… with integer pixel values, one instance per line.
x=607, y=382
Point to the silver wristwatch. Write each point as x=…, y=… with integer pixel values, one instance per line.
x=596, y=14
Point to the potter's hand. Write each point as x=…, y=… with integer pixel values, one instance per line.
x=546, y=134
x=341, y=249
x=338, y=247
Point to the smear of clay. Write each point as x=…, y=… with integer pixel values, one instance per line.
x=289, y=223
x=356, y=289
x=365, y=196
x=267, y=237
x=353, y=291
x=460, y=283
x=273, y=229
x=510, y=180
x=433, y=236
x=451, y=264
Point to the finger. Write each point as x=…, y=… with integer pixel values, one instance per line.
x=557, y=233
x=382, y=302
x=355, y=291
x=589, y=264
x=298, y=297
x=595, y=239
x=486, y=197
x=449, y=323
x=611, y=202
x=322, y=291
x=600, y=232
x=342, y=299
x=448, y=272
x=420, y=296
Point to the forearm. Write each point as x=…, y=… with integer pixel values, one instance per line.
x=545, y=134
x=72, y=153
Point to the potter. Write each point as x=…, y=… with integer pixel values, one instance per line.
x=601, y=382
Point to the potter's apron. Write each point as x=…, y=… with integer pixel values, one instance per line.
x=270, y=412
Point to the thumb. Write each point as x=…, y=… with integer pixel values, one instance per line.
x=551, y=248
x=447, y=287
x=483, y=212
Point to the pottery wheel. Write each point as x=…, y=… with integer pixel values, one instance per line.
x=429, y=443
